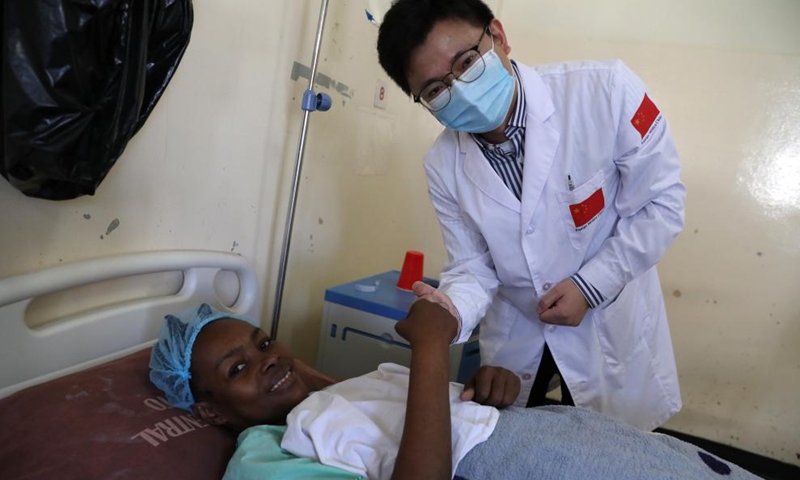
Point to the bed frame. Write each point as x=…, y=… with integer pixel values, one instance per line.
x=96, y=334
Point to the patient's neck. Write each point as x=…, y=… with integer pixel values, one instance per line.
x=314, y=379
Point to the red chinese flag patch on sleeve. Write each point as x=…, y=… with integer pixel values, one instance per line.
x=645, y=116
x=587, y=210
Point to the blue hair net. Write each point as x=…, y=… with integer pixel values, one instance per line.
x=171, y=356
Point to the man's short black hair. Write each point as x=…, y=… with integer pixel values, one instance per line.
x=408, y=23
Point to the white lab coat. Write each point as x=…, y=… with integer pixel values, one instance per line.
x=505, y=254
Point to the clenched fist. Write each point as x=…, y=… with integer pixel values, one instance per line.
x=563, y=305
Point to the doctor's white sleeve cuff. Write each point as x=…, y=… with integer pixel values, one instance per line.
x=467, y=321
x=590, y=293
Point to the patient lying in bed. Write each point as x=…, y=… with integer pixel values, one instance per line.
x=395, y=422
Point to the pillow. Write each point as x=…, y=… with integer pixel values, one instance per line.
x=103, y=423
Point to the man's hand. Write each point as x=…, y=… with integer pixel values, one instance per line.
x=423, y=291
x=493, y=386
x=426, y=323
x=563, y=305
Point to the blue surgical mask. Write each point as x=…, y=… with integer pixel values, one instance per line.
x=479, y=106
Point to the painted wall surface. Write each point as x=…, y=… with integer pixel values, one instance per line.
x=201, y=172
x=211, y=169
x=362, y=200
x=727, y=77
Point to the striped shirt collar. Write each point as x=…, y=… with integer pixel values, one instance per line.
x=518, y=119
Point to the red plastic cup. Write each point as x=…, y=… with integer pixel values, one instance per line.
x=412, y=270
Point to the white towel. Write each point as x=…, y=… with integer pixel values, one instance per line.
x=356, y=425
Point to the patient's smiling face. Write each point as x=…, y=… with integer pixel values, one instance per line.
x=241, y=378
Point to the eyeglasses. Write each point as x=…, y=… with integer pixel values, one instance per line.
x=468, y=67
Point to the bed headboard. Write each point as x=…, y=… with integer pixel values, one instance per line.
x=99, y=333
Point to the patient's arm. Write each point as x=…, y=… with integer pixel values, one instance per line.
x=425, y=448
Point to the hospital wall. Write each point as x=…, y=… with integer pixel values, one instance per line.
x=212, y=166
x=726, y=74
x=211, y=169
x=727, y=77
x=201, y=172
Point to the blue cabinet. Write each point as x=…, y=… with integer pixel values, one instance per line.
x=358, y=330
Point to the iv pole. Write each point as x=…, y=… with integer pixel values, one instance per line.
x=311, y=102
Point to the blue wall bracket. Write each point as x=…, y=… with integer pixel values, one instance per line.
x=316, y=101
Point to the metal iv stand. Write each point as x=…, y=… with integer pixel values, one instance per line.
x=311, y=102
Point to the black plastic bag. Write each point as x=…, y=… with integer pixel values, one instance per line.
x=80, y=77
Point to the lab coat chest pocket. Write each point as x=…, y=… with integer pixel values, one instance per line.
x=622, y=325
x=581, y=209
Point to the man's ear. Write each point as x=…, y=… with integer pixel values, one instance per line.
x=499, y=35
x=207, y=412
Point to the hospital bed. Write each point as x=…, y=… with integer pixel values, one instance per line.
x=75, y=399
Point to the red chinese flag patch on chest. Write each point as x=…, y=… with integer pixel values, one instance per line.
x=587, y=210
x=645, y=116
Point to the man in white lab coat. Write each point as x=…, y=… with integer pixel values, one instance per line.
x=558, y=191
